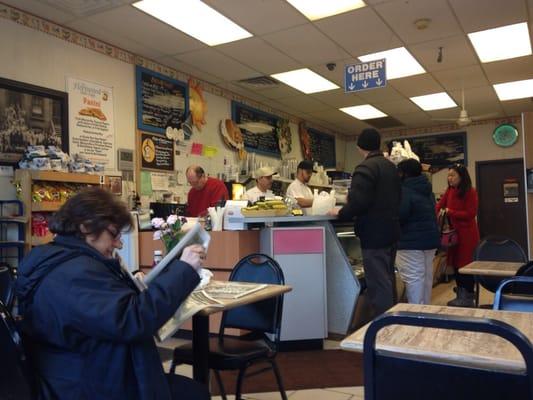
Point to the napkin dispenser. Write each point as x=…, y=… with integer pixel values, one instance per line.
x=233, y=218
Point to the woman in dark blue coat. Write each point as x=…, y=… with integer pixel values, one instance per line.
x=90, y=329
x=419, y=238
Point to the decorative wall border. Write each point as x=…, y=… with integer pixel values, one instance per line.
x=60, y=32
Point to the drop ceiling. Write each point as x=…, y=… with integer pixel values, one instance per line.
x=285, y=40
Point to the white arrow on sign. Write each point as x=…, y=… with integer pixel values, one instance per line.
x=379, y=82
x=352, y=86
x=365, y=84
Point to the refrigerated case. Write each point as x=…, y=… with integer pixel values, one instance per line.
x=362, y=312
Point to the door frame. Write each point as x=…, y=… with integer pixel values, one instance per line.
x=504, y=161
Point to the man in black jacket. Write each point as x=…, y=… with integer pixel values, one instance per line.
x=374, y=201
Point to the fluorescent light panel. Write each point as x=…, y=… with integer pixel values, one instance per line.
x=305, y=81
x=317, y=9
x=363, y=112
x=435, y=101
x=196, y=19
x=514, y=90
x=502, y=43
x=400, y=63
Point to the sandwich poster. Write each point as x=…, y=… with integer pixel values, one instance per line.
x=91, y=122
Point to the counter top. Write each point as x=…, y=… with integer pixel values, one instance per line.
x=289, y=218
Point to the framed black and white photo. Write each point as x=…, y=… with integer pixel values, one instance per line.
x=30, y=115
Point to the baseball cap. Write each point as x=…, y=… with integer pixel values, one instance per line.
x=306, y=165
x=264, y=171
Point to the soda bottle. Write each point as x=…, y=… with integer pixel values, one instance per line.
x=158, y=256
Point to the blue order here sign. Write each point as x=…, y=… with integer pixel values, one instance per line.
x=365, y=75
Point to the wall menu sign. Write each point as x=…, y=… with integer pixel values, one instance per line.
x=322, y=147
x=161, y=101
x=157, y=152
x=258, y=128
x=440, y=151
x=91, y=122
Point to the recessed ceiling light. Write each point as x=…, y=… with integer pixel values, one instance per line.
x=400, y=63
x=305, y=81
x=196, y=19
x=514, y=90
x=363, y=112
x=435, y=101
x=502, y=43
x=316, y=9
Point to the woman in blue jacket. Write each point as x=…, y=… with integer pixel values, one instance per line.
x=90, y=329
x=419, y=237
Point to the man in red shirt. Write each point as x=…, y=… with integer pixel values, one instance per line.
x=205, y=191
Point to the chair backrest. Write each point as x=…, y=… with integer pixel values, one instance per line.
x=515, y=294
x=7, y=286
x=497, y=248
x=390, y=375
x=15, y=373
x=526, y=269
x=263, y=316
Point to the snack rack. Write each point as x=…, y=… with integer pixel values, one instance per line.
x=26, y=179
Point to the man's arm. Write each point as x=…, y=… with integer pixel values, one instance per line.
x=361, y=195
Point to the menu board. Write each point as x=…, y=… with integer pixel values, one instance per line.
x=259, y=129
x=161, y=101
x=323, y=148
x=440, y=151
x=157, y=152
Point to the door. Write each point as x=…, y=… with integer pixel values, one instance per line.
x=502, y=209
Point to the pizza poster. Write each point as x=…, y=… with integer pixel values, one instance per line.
x=157, y=152
x=91, y=122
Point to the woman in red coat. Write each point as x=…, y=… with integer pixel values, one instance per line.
x=460, y=203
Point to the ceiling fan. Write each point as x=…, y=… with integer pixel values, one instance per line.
x=464, y=119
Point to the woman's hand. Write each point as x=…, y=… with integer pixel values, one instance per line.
x=194, y=255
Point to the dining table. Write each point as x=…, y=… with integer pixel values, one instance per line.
x=472, y=349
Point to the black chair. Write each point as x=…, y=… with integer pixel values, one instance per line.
x=392, y=375
x=496, y=248
x=7, y=286
x=515, y=294
x=16, y=380
x=236, y=352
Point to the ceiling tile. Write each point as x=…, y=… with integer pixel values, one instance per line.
x=259, y=55
x=515, y=69
x=213, y=62
x=456, y=52
x=416, y=120
x=388, y=93
x=474, y=96
x=306, y=44
x=351, y=29
x=37, y=7
x=457, y=78
x=193, y=71
x=397, y=107
x=517, y=107
x=279, y=92
x=401, y=15
x=103, y=34
x=259, y=16
x=338, y=98
x=417, y=85
x=479, y=15
x=154, y=33
x=304, y=103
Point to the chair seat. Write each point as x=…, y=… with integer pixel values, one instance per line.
x=231, y=353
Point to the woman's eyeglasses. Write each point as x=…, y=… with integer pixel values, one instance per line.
x=114, y=234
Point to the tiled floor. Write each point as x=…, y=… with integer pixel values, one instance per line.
x=442, y=293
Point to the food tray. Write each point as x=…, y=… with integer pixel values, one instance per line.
x=265, y=213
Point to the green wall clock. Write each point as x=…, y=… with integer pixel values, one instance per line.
x=505, y=135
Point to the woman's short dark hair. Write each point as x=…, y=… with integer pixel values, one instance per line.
x=94, y=207
x=466, y=183
x=410, y=168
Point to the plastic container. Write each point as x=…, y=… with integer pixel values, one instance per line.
x=158, y=256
